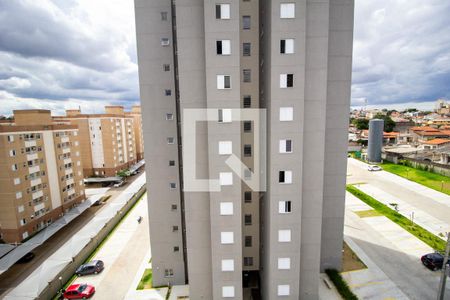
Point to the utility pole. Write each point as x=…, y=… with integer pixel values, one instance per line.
x=444, y=270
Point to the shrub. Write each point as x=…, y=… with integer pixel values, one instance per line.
x=340, y=284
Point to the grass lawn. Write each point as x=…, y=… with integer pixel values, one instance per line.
x=146, y=280
x=368, y=213
x=416, y=230
x=341, y=285
x=429, y=179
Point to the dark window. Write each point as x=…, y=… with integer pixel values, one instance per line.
x=176, y=249
x=168, y=92
x=219, y=47
x=248, y=219
x=246, y=49
x=220, y=116
x=247, y=75
x=247, y=101
x=174, y=207
x=248, y=197
x=164, y=15
x=281, y=176
x=248, y=261
x=166, y=67
x=247, y=126
x=171, y=163
x=227, y=82
x=288, y=146
x=218, y=11
x=282, y=46
x=290, y=80
x=247, y=150
x=174, y=228
x=287, y=206
x=245, y=22
x=248, y=241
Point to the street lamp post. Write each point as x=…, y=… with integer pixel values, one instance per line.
x=441, y=290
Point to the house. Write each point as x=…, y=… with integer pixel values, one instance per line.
x=435, y=144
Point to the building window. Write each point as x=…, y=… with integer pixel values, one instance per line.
x=165, y=42
x=248, y=241
x=227, y=237
x=284, y=235
x=223, y=47
x=225, y=147
x=176, y=249
x=171, y=163
x=226, y=208
x=10, y=138
x=222, y=11
x=287, y=10
x=170, y=140
x=287, y=46
x=18, y=195
x=174, y=228
x=247, y=101
x=164, y=15
x=284, y=207
x=166, y=67
x=284, y=263
x=12, y=153
x=247, y=126
x=14, y=167
x=248, y=261
x=285, y=177
x=248, y=174
x=169, y=117
x=248, y=219
x=226, y=178
x=173, y=185
x=168, y=92
x=285, y=146
x=247, y=150
x=245, y=22
x=248, y=197
x=286, y=80
x=224, y=115
x=174, y=207
x=228, y=291
x=286, y=113
x=16, y=181
x=223, y=82
x=246, y=49
x=247, y=75
x=168, y=273
x=227, y=265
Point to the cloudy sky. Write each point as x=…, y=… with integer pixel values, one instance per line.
x=60, y=54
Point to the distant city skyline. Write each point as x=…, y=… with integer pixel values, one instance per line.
x=65, y=54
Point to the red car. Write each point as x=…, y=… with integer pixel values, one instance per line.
x=79, y=291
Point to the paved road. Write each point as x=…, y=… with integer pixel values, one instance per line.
x=123, y=254
x=429, y=201
x=17, y=273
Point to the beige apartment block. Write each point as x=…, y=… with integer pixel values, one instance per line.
x=137, y=117
x=42, y=173
x=107, y=141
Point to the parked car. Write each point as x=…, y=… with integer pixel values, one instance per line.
x=433, y=261
x=79, y=291
x=374, y=168
x=119, y=184
x=93, y=267
x=26, y=258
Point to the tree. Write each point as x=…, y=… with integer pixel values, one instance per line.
x=389, y=124
x=361, y=124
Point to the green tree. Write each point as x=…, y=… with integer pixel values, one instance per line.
x=361, y=123
x=389, y=124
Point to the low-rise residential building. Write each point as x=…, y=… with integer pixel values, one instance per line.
x=435, y=144
x=107, y=140
x=41, y=176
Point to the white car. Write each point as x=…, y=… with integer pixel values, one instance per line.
x=119, y=184
x=374, y=168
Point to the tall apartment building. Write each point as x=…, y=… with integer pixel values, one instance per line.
x=135, y=113
x=107, y=140
x=291, y=58
x=41, y=174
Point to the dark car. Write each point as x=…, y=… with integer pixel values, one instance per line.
x=79, y=291
x=433, y=261
x=26, y=258
x=93, y=267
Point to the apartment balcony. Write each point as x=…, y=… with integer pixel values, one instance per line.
x=67, y=161
x=33, y=169
x=66, y=150
x=35, y=182
x=30, y=143
x=68, y=171
x=39, y=207
x=37, y=194
x=32, y=156
x=71, y=191
x=65, y=139
x=70, y=181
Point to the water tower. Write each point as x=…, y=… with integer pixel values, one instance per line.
x=375, y=140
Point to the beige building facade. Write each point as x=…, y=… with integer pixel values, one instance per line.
x=42, y=174
x=135, y=113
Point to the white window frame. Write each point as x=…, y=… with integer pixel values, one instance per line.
x=225, y=147
x=227, y=265
x=12, y=152
x=226, y=115
x=169, y=116
x=226, y=47
x=287, y=177
x=284, y=263
x=288, y=46
x=16, y=181
x=286, y=114
x=282, y=207
x=226, y=178
x=283, y=147
x=228, y=291
x=20, y=208
x=165, y=42
x=14, y=167
x=10, y=138
x=227, y=237
x=283, y=290
x=284, y=235
x=226, y=208
x=221, y=82
x=287, y=10
x=18, y=195
x=225, y=11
